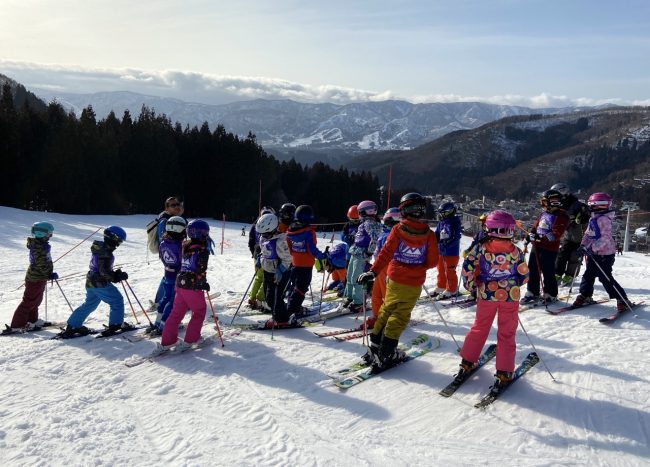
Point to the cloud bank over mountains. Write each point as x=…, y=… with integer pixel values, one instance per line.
x=220, y=89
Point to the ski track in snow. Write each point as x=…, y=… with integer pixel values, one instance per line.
x=260, y=401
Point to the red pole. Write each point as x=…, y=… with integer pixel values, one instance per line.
x=223, y=229
x=390, y=182
x=259, y=201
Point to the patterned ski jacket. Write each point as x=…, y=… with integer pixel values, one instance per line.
x=302, y=244
x=194, y=266
x=348, y=233
x=365, y=240
x=275, y=252
x=497, y=269
x=170, y=253
x=448, y=233
x=40, y=260
x=598, y=236
x=101, y=266
x=410, y=249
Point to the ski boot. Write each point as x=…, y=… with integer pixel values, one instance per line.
x=502, y=379
x=529, y=299
x=252, y=304
x=112, y=329
x=582, y=301
x=373, y=349
x=548, y=299
x=466, y=367
x=621, y=306
x=436, y=292
x=355, y=308
x=74, y=332
x=388, y=356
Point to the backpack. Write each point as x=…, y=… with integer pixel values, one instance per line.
x=152, y=235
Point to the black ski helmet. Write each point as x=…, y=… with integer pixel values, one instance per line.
x=563, y=188
x=413, y=205
x=304, y=214
x=551, y=199
x=287, y=213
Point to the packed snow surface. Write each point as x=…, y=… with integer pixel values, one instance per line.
x=268, y=401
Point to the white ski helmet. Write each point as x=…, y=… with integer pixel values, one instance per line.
x=267, y=223
x=175, y=224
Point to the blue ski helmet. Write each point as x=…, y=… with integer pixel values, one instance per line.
x=114, y=234
x=42, y=229
x=198, y=229
x=336, y=256
x=447, y=209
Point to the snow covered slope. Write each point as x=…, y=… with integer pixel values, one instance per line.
x=262, y=401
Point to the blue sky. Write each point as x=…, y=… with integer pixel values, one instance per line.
x=507, y=51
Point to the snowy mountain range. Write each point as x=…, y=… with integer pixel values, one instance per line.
x=283, y=126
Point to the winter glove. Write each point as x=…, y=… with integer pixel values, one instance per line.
x=279, y=272
x=550, y=237
x=258, y=261
x=119, y=276
x=366, y=277
x=582, y=251
x=532, y=237
x=205, y=287
x=54, y=276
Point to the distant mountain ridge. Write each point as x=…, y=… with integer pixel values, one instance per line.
x=285, y=126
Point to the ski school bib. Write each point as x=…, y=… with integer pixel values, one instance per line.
x=593, y=229
x=410, y=254
x=546, y=222
x=269, y=249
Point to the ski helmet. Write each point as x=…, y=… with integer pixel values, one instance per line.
x=304, y=214
x=413, y=205
x=367, y=208
x=42, y=230
x=337, y=255
x=353, y=213
x=267, y=210
x=114, y=234
x=562, y=188
x=600, y=202
x=551, y=199
x=447, y=209
x=287, y=212
x=175, y=224
x=482, y=218
x=392, y=217
x=198, y=229
x=267, y=224
x=500, y=224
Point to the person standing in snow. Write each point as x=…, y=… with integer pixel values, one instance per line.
x=448, y=233
x=170, y=253
x=191, y=287
x=496, y=269
x=256, y=297
x=350, y=227
x=301, y=238
x=365, y=243
x=100, y=288
x=173, y=207
x=410, y=249
x=599, y=246
x=545, y=237
x=40, y=270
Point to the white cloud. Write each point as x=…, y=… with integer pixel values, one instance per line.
x=217, y=89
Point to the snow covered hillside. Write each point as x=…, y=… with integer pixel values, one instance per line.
x=262, y=401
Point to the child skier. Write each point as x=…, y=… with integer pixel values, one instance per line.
x=448, y=233
x=545, y=237
x=170, y=252
x=497, y=269
x=365, y=243
x=286, y=215
x=40, y=270
x=391, y=218
x=191, y=285
x=410, y=249
x=100, y=288
x=256, y=298
x=275, y=261
x=335, y=266
x=351, y=226
x=600, y=248
x=301, y=238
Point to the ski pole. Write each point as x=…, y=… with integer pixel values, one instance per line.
x=130, y=304
x=322, y=286
x=539, y=272
x=46, y=301
x=441, y=317
x=66, y=298
x=573, y=279
x=610, y=279
x=533, y=345
x=216, y=320
x=78, y=244
x=138, y=300
x=365, y=327
x=244, y=297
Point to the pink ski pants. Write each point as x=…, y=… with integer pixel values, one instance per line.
x=185, y=299
x=506, y=329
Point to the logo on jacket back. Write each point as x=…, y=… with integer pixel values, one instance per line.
x=298, y=246
x=410, y=254
x=168, y=257
x=497, y=268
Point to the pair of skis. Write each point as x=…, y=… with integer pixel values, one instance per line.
x=8, y=331
x=159, y=352
x=606, y=320
x=495, y=392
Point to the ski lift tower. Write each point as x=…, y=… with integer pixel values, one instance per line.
x=630, y=206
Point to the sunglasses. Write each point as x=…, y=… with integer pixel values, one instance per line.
x=175, y=205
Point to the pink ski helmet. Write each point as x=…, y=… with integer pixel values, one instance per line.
x=500, y=224
x=367, y=208
x=392, y=217
x=600, y=202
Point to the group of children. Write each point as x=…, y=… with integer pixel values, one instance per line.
x=389, y=255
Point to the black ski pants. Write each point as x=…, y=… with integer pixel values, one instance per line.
x=592, y=272
x=543, y=261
